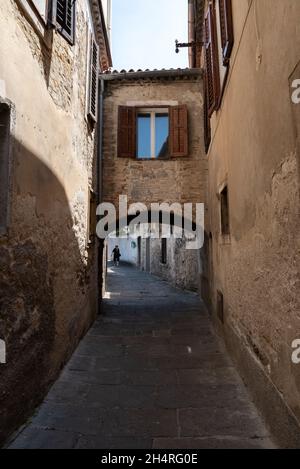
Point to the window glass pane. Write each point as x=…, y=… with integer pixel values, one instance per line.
x=144, y=136
x=162, y=133
x=41, y=7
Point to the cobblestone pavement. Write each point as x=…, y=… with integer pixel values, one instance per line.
x=151, y=373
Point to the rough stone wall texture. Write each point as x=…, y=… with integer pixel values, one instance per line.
x=254, y=150
x=182, y=266
x=172, y=180
x=48, y=276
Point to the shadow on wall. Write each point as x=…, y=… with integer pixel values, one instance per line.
x=47, y=54
x=45, y=39
x=44, y=288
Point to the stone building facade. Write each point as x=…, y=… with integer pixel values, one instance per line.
x=48, y=171
x=177, y=178
x=252, y=64
x=170, y=260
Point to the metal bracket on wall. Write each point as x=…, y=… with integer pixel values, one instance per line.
x=192, y=44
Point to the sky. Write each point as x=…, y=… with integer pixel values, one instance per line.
x=144, y=33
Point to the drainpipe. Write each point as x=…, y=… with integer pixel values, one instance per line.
x=99, y=185
x=100, y=138
x=191, y=22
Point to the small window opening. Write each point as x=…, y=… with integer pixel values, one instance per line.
x=225, y=226
x=164, y=256
x=220, y=306
x=152, y=133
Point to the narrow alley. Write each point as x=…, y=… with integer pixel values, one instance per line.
x=165, y=136
x=151, y=373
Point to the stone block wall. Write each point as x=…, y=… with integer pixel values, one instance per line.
x=182, y=267
x=255, y=151
x=172, y=180
x=48, y=271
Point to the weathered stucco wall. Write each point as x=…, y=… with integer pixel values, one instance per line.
x=182, y=267
x=182, y=180
x=48, y=275
x=254, y=150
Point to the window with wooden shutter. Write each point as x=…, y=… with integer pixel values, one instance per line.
x=212, y=74
x=178, y=138
x=63, y=18
x=226, y=26
x=93, y=80
x=127, y=132
x=5, y=136
x=207, y=128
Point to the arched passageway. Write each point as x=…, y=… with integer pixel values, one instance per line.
x=165, y=244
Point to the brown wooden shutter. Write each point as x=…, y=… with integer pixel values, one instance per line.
x=178, y=139
x=127, y=132
x=207, y=128
x=62, y=16
x=93, y=80
x=211, y=60
x=226, y=25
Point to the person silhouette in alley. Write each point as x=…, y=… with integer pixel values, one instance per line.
x=116, y=255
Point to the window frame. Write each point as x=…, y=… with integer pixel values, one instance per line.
x=178, y=137
x=164, y=251
x=226, y=29
x=92, y=78
x=6, y=166
x=34, y=17
x=225, y=225
x=223, y=65
x=219, y=37
x=70, y=38
x=44, y=16
x=211, y=59
x=153, y=111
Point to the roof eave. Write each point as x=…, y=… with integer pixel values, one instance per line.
x=153, y=74
x=101, y=35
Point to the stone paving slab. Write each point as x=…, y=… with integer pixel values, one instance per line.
x=151, y=373
x=211, y=443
